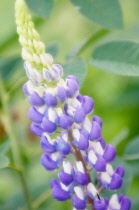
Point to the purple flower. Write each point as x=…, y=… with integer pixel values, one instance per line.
x=59, y=115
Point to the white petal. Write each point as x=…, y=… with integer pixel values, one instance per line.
x=109, y=169
x=80, y=166
x=98, y=148
x=76, y=134
x=91, y=189
x=114, y=203
x=67, y=167
x=79, y=192
x=92, y=157
x=105, y=177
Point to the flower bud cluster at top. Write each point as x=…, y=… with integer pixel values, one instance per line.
x=59, y=115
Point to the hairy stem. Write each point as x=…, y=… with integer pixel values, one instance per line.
x=8, y=124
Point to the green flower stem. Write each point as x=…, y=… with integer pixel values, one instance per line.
x=8, y=124
x=99, y=34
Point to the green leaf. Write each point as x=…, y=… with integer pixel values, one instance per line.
x=134, y=165
x=120, y=57
x=53, y=49
x=132, y=149
x=8, y=66
x=41, y=8
x=75, y=67
x=82, y=46
x=122, y=135
x=4, y=147
x=4, y=161
x=104, y=12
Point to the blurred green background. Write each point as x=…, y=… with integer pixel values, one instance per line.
x=116, y=97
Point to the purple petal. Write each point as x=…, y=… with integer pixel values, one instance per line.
x=79, y=115
x=36, y=100
x=65, y=178
x=100, y=164
x=34, y=115
x=87, y=104
x=72, y=87
x=83, y=143
x=36, y=129
x=78, y=203
x=50, y=100
x=81, y=178
x=95, y=131
x=62, y=94
x=120, y=170
x=25, y=89
x=48, y=125
x=116, y=182
x=100, y=204
x=54, y=183
x=46, y=146
x=109, y=153
x=48, y=163
x=60, y=194
x=98, y=120
x=63, y=147
x=125, y=203
x=73, y=78
x=102, y=142
x=64, y=121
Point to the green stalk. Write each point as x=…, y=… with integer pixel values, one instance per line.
x=8, y=124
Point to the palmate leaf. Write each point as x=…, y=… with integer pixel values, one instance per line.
x=104, y=12
x=120, y=57
x=75, y=67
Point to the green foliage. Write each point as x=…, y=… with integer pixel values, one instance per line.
x=104, y=12
x=75, y=67
x=132, y=150
x=8, y=66
x=121, y=57
x=41, y=8
x=53, y=49
x=116, y=98
x=5, y=147
x=4, y=161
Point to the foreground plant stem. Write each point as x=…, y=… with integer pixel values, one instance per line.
x=8, y=125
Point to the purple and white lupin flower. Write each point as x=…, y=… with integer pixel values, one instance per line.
x=59, y=115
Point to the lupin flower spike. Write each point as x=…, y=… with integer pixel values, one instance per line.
x=59, y=115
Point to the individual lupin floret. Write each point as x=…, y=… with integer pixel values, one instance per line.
x=80, y=176
x=48, y=145
x=63, y=145
x=59, y=192
x=112, y=179
x=51, y=161
x=66, y=176
x=79, y=199
x=80, y=140
x=119, y=203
